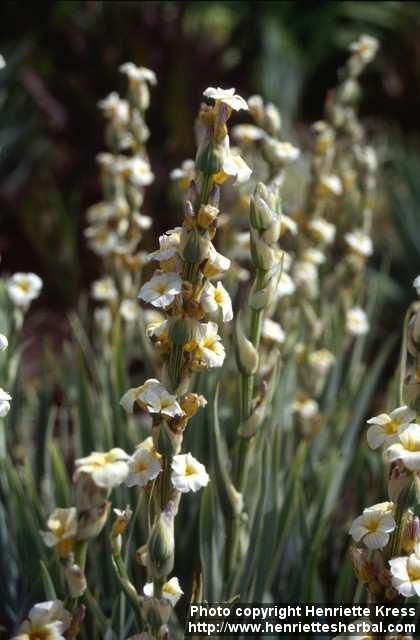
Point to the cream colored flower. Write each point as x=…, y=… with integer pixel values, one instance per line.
x=272, y=331
x=107, y=470
x=385, y=428
x=282, y=152
x=210, y=351
x=332, y=184
x=101, y=239
x=114, y=108
x=374, y=525
x=407, y=448
x=214, y=298
x=129, y=310
x=405, y=573
x=305, y=275
x=321, y=361
x=153, y=397
x=171, y=590
x=4, y=343
x=307, y=408
x=288, y=224
x=161, y=289
x=46, y=621
x=227, y=97
x=286, y=286
x=23, y=288
x=104, y=290
x=168, y=245
x=137, y=171
x=143, y=466
x=322, y=230
x=246, y=133
x=359, y=242
x=416, y=285
x=216, y=264
x=62, y=530
x=138, y=74
x=184, y=174
x=357, y=323
x=5, y=399
x=365, y=47
x=234, y=166
x=188, y=474
x=313, y=255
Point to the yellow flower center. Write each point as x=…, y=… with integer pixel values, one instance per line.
x=390, y=428
x=39, y=634
x=24, y=286
x=161, y=288
x=218, y=296
x=189, y=470
x=141, y=466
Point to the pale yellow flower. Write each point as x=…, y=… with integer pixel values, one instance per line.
x=227, y=97
x=62, y=530
x=153, y=397
x=188, y=474
x=107, y=470
x=215, y=297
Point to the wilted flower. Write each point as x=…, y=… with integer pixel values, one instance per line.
x=62, y=530
x=153, y=397
x=385, y=428
x=161, y=290
x=23, y=288
x=138, y=74
x=188, y=474
x=171, y=590
x=374, y=525
x=246, y=133
x=365, y=47
x=168, y=245
x=281, y=152
x=115, y=108
x=107, y=470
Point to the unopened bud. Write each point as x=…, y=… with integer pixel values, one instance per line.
x=161, y=545
x=210, y=158
x=246, y=353
x=180, y=331
x=196, y=247
x=272, y=118
x=263, y=256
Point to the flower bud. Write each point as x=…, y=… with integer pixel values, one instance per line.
x=272, y=234
x=180, y=331
x=87, y=494
x=246, y=353
x=168, y=442
x=263, y=256
x=210, y=158
x=161, y=545
x=261, y=214
x=196, y=247
x=157, y=612
x=262, y=298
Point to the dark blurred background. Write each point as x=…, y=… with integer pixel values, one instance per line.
x=62, y=57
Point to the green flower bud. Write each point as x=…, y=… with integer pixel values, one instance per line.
x=272, y=234
x=180, y=331
x=210, y=158
x=161, y=545
x=263, y=256
x=196, y=248
x=246, y=353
